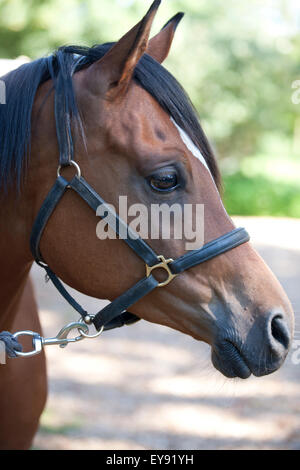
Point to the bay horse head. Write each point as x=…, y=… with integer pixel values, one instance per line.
x=132, y=131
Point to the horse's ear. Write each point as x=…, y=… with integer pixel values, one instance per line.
x=111, y=74
x=159, y=46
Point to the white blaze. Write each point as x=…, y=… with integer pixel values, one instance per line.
x=190, y=145
x=196, y=152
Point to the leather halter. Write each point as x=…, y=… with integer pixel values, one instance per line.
x=115, y=314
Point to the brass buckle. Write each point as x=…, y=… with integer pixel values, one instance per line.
x=163, y=265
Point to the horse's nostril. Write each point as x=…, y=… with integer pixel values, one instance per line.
x=280, y=332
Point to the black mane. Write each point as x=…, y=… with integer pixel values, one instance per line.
x=22, y=84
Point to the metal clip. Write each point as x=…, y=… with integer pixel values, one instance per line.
x=61, y=339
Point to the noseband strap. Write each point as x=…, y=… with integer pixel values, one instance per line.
x=212, y=249
x=115, y=314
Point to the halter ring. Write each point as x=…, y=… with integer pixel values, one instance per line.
x=76, y=166
x=162, y=265
x=85, y=333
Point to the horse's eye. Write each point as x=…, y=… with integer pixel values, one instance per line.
x=164, y=180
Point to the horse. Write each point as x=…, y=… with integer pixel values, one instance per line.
x=132, y=130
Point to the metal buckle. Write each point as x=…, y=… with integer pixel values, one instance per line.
x=163, y=265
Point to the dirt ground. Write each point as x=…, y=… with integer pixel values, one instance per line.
x=148, y=387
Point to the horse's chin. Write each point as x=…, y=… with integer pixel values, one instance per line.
x=236, y=361
x=231, y=363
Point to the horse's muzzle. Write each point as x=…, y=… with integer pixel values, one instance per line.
x=260, y=353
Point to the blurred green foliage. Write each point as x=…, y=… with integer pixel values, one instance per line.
x=245, y=195
x=237, y=61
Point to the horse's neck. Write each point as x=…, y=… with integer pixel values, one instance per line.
x=15, y=259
